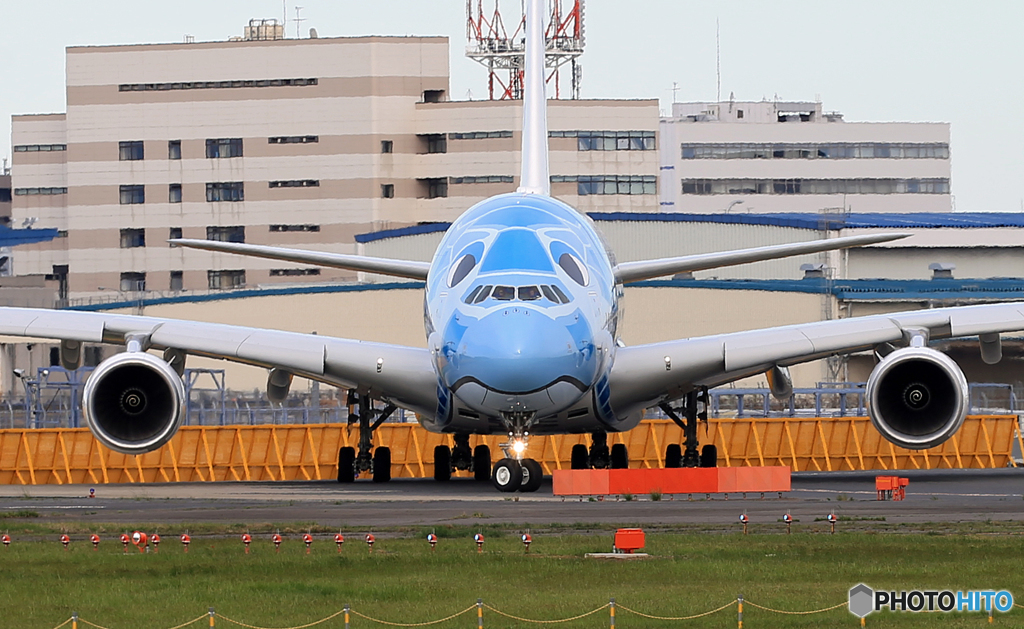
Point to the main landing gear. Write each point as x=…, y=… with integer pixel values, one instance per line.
x=599, y=456
x=477, y=460
x=694, y=409
x=376, y=461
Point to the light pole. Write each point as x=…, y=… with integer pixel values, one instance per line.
x=733, y=204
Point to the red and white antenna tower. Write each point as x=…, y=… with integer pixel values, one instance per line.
x=491, y=45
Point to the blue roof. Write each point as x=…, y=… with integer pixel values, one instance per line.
x=869, y=289
x=797, y=220
x=802, y=220
x=14, y=237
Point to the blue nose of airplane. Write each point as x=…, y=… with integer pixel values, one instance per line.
x=518, y=350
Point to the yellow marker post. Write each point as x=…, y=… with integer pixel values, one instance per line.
x=211, y=617
x=739, y=613
x=480, y=613
x=611, y=608
x=74, y=620
x=346, y=616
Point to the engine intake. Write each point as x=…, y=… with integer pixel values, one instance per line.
x=917, y=397
x=134, y=402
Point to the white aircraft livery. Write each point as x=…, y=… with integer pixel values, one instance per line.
x=521, y=314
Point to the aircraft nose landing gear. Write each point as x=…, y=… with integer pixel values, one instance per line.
x=515, y=472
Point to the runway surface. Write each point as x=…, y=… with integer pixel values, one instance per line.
x=932, y=496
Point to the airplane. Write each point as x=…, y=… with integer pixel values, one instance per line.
x=521, y=314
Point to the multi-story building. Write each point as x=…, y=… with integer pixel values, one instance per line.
x=292, y=142
x=763, y=157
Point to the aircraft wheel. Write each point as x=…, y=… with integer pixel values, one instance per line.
x=579, y=458
x=442, y=463
x=482, y=463
x=382, y=465
x=673, y=455
x=346, y=465
x=620, y=457
x=533, y=476
x=507, y=475
x=709, y=456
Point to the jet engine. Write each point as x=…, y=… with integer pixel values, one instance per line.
x=917, y=397
x=134, y=402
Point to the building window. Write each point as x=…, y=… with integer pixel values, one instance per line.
x=131, y=238
x=435, y=143
x=294, y=228
x=815, y=186
x=296, y=183
x=387, y=191
x=174, y=149
x=34, y=191
x=739, y=113
x=293, y=272
x=387, y=146
x=218, y=280
x=480, y=135
x=224, y=147
x=862, y=150
x=482, y=179
x=225, y=191
x=433, y=96
x=177, y=280
x=130, y=151
x=174, y=233
x=234, y=233
x=611, y=184
x=210, y=85
x=133, y=282
x=133, y=195
x=610, y=140
x=174, y=193
x=33, y=148
x=294, y=139
x=434, y=188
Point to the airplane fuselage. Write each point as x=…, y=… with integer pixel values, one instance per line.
x=521, y=313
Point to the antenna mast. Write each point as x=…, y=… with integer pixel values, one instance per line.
x=504, y=55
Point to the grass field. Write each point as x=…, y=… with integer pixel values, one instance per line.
x=689, y=572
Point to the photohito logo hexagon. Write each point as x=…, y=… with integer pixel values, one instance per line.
x=861, y=600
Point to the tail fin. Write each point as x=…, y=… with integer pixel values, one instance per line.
x=535, y=176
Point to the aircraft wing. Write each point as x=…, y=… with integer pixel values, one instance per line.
x=384, y=266
x=402, y=375
x=647, y=269
x=645, y=375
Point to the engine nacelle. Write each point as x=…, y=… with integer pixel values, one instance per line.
x=917, y=397
x=134, y=402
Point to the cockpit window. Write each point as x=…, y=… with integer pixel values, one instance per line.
x=561, y=295
x=461, y=269
x=469, y=298
x=529, y=293
x=484, y=294
x=573, y=268
x=504, y=293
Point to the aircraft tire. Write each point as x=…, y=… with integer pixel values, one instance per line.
x=673, y=455
x=346, y=465
x=709, y=456
x=507, y=475
x=533, y=476
x=482, y=463
x=382, y=465
x=579, y=457
x=442, y=463
x=620, y=457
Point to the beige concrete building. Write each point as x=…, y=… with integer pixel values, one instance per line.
x=298, y=142
x=774, y=156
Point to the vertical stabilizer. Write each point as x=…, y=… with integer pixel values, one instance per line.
x=535, y=177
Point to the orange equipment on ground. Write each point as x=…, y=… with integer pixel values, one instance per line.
x=629, y=540
x=891, y=487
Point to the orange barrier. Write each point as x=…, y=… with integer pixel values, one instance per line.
x=711, y=480
x=310, y=452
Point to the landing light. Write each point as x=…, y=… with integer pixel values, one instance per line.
x=518, y=447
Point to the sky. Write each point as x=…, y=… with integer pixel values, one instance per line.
x=872, y=60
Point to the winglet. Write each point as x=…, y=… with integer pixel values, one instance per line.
x=535, y=177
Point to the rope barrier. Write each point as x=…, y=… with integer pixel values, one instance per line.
x=192, y=622
x=92, y=624
x=713, y=611
x=547, y=622
x=241, y=624
x=782, y=611
x=410, y=624
x=63, y=623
